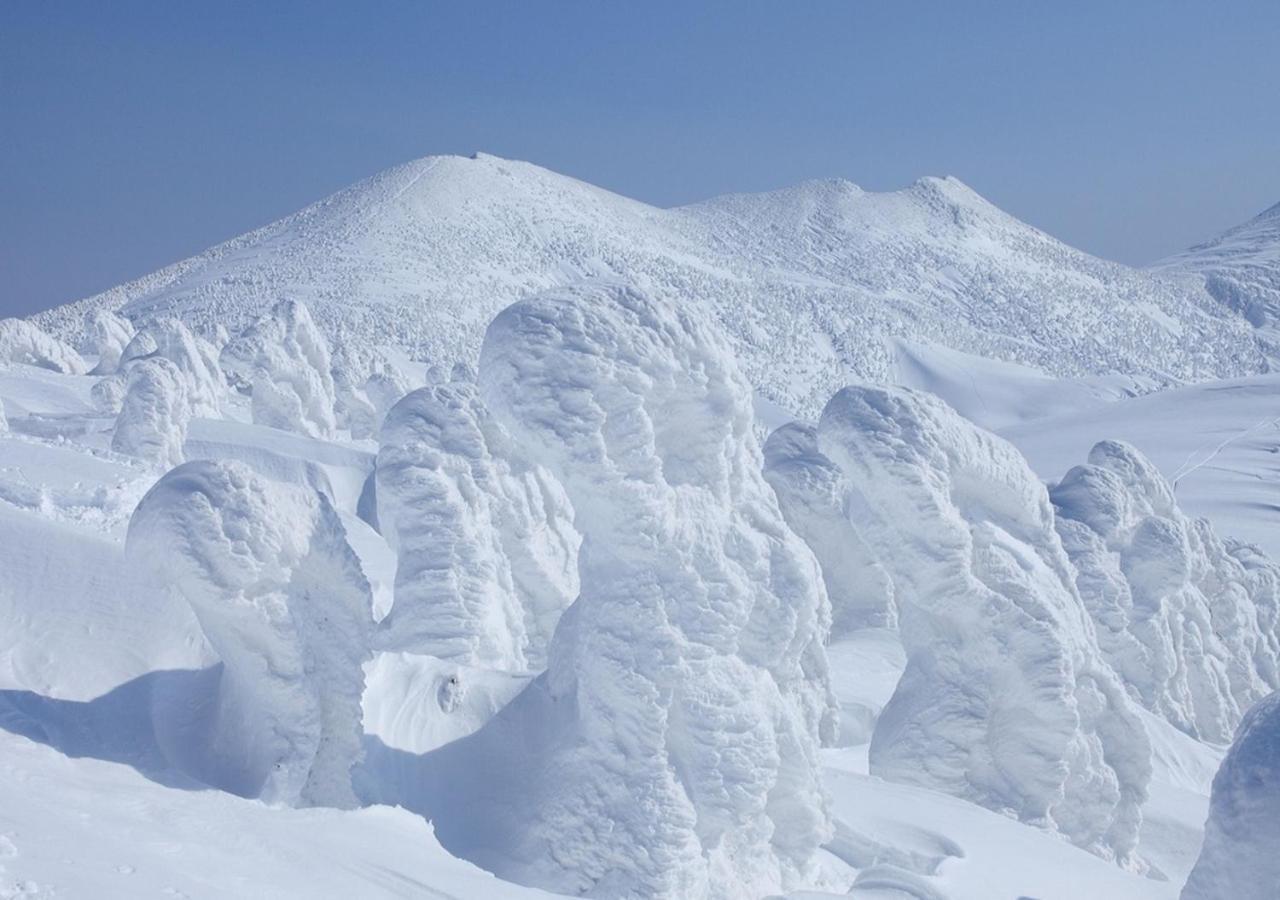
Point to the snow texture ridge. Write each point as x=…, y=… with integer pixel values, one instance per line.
x=24, y=342
x=1239, y=859
x=153, y=412
x=670, y=749
x=1188, y=621
x=280, y=595
x=487, y=551
x=1005, y=700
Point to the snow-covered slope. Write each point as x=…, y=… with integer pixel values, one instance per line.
x=809, y=281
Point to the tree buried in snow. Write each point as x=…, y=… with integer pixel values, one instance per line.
x=281, y=597
x=22, y=342
x=487, y=553
x=670, y=749
x=1188, y=622
x=195, y=358
x=154, y=413
x=1238, y=860
x=283, y=361
x=1005, y=699
x=105, y=336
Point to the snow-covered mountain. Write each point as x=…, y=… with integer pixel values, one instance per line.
x=1241, y=269
x=812, y=282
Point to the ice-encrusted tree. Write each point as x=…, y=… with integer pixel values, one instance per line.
x=105, y=336
x=154, y=413
x=811, y=493
x=1238, y=860
x=366, y=385
x=1190, y=628
x=670, y=749
x=282, y=360
x=487, y=553
x=281, y=597
x=4, y=421
x=195, y=358
x=23, y=342
x=1005, y=700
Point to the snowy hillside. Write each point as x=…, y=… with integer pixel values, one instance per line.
x=810, y=281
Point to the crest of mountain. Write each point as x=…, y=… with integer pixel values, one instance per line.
x=1241, y=269
x=811, y=282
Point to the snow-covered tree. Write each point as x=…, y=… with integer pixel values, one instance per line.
x=281, y=597
x=1005, y=700
x=154, y=413
x=23, y=342
x=670, y=749
x=1188, y=627
x=195, y=358
x=487, y=553
x=282, y=360
x=105, y=336
x=1238, y=860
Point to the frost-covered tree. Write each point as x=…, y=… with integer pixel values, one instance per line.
x=1188, y=626
x=282, y=360
x=1238, y=860
x=108, y=393
x=154, y=413
x=195, y=358
x=487, y=552
x=105, y=336
x=1005, y=700
x=4, y=421
x=670, y=749
x=23, y=342
x=811, y=493
x=367, y=383
x=281, y=597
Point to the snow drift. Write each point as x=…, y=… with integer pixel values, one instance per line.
x=1188, y=621
x=1005, y=699
x=670, y=749
x=280, y=595
x=1239, y=859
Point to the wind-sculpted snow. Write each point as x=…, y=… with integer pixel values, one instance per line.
x=23, y=342
x=195, y=358
x=1005, y=699
x=812, y=283
x=105, y=337
x=1238, y=860
x=811, y=492
x=487, y=552
x=670, y=749
x=281, y=598
x=1188, y=627
x=283, y=361
x=154, y=413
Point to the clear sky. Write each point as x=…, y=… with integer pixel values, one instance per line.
x=133, y=134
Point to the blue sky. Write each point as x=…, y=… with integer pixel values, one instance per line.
x=133, y=134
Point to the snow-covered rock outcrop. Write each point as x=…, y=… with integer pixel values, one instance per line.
x=194, y=356
x=487, y=551
x=1005, y=700
x=105, y=336
x=1238, y=860
x=154, y=412
x=811, y=492
x=670, y=749
x=1190, y=629
x=280, y=595
x=23, y=342
x=282, y=359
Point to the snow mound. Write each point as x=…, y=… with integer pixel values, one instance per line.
x=1005, y=700
x=154, y=412
x=1189, y=628
x=280, y=595
x=670, y=749
x=195, y=358
x=487, y=551
x=283, y=360
x=105, y=337
x=23, y=342
x=811, y=492
x=1239, y=859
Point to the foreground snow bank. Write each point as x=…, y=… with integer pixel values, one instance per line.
x=22, y=342
x=670, y=749
x=1005, y=699
x=281, y=598
x=1188, y=621
x=487, y=552
x=1239, y=858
